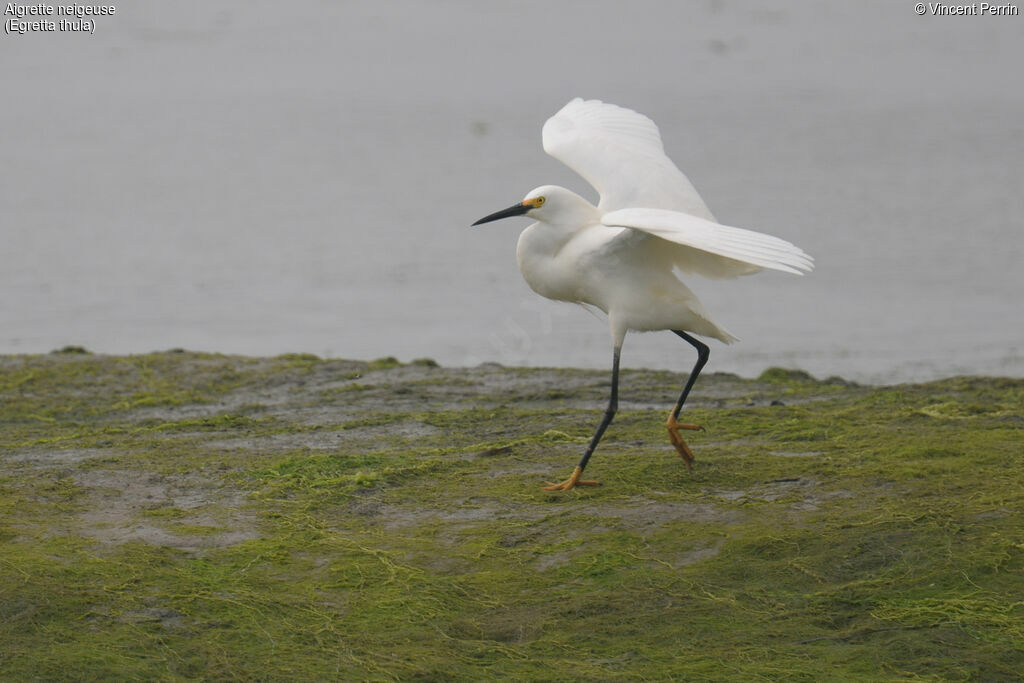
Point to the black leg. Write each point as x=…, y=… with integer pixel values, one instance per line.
x=702, y=358
x=609, y=413
x=672, y=425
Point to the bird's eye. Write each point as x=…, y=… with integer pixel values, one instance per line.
x=539, y=200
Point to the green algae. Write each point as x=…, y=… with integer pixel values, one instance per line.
x=178, y=516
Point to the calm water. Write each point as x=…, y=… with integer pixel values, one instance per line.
x=234, y=177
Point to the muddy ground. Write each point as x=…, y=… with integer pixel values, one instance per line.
x=183, y=516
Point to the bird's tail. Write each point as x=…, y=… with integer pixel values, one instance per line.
x=708, y=327
x=723, y=335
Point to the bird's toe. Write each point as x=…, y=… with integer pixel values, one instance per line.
x=677, y=441
x=572, y=482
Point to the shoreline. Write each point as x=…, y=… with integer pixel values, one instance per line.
x=825, y=377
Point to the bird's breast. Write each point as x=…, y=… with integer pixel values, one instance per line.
x=569, y=264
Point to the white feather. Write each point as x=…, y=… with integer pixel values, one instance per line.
x=745, y=246
x=620, y=153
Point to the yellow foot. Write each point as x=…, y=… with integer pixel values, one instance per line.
x=571, y=482
x=673, y=435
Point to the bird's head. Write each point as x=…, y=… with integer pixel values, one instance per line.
x=547, y=203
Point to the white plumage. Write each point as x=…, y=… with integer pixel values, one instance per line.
x=745, y=246
x=620, y=153
x=623, y=254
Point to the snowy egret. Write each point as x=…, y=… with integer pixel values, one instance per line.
x=621, y=255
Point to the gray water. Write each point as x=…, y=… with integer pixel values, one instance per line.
x=258, y=178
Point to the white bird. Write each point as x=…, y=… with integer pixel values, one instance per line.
x=621, y=256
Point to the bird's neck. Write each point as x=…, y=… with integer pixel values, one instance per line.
x=537, y=253
x=577, y=216
x=544, y=239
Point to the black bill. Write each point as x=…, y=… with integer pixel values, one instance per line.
x=515, y=210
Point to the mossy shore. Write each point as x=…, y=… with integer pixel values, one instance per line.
x=182, y=516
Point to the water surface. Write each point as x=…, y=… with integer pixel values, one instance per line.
x=233, y=177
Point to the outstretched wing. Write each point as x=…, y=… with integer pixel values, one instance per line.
x=619, y=152
x=712, y=249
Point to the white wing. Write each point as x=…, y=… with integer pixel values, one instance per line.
x=619, y=152
x=744, y=248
